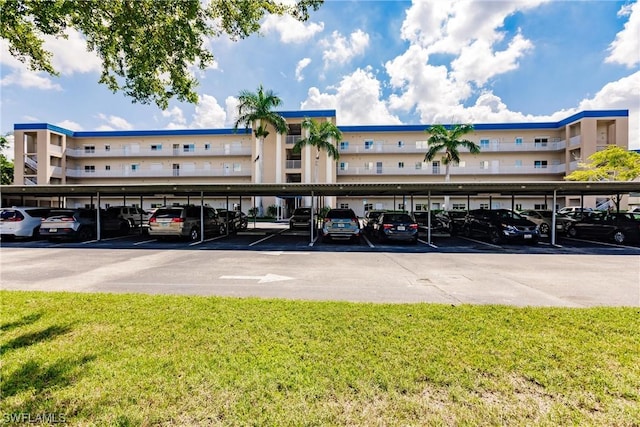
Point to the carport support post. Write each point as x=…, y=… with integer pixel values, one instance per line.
x=98, y=227
x=201, y=215
x=227, y=227
x=141, y=215
x=312, y=222
x=513, y=202
x=553, y=219
x=428, y=217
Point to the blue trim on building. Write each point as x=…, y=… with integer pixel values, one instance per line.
x=320, y=113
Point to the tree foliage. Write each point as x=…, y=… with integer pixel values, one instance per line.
x=449, y=140
x=254, y=107
x=612, y=164
x=146, y=46
x=6, y=165
x=320, y=136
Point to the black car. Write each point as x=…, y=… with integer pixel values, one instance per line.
x=439, y=222
x=396, y=226
x=456, y=220
x=617, y=227
x=499, y=225
x=370, y=218
x=301, y=219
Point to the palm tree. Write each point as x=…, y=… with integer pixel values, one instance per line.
x=448, y=139
x=321, y=136
x=255, y=110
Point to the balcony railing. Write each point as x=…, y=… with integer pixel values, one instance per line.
x=292, y=139
x=165, y=152
x=503, y=170
x=148, y=173
x=293, y=164
x=491, y=147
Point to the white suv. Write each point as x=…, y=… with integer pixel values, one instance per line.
x=135, y=216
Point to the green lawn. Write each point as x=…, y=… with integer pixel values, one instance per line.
x=102, y=359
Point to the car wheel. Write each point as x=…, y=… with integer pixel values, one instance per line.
x=495, y=237
x=35, y=234
x=223, y=229
x=619, y=237
x=572, y=232
x=194, y=234
x=466, y=231
x=124, y=228
x=544, y=228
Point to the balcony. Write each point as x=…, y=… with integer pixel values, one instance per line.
x=496, y=146
x=293, y=164
x=149, y=173
x=292, y=139
x=166, y=152
x=455, y=171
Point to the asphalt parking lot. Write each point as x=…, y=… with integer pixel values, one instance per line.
x=269, y=260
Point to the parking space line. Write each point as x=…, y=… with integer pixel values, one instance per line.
x=314, y=240
x=371, y=245
x=481, y=242
x=145, y=241
x=267, y=237
x=427, y=243
x=613, y=245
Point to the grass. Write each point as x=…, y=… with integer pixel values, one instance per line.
x=129, y=360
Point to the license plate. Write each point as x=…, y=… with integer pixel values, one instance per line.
x=164, y=224
x=53, y=230
x=528, y=236
x=340, y=225
x=401, y=228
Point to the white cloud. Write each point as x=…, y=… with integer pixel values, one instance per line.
x=208, y=113
x=113, y=123
x=339, y=50
x=70, y=125
x=625, y=49
x=356, y=101
x=290, y=29
x=70, y=55
x=29, y=80
x=302, y=64
x=231, y=107
x=177, y=118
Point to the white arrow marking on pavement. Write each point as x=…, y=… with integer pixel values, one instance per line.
x=261, y=279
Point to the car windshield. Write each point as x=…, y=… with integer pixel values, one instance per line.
x=168, y=213
x=397, y=219
x=302, y=211
x=341, y=213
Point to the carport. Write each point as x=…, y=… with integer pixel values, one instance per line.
x=552, y=189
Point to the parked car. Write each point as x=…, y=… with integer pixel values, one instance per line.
x=396, y=226
x=568, y=209
x=81, y=224
x=456, y=220
x=439, y=222
x=500, y=225
x=21, y=222
x=544, y=218
x=184, y=221
x=370, y=218
x=341, y=224
x=231, y=218
x=135, y=216
x=617, y=227
x=301, y=219
x=634, y=209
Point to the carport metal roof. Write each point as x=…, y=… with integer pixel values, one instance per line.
x=562, y=188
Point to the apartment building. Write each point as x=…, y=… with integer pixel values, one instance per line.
x=510, y=152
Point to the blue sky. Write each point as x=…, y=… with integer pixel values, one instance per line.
x=375, y=62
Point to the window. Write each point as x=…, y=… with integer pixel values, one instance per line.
x=107, y=168
x=518, y=163
x=344, y=166
x=419, y=165
x=156, y=147
x=207, y=147
x=344, y=205
x=368, y=207
x=484, y=164
x=460, y=164
x=89, y=149
x=422, y=144
x=237, y=167
x=344, y=145
x=541, y=141
x=368, y=145
x=368, y=166
x=519, y=140
x=400, y=144
x=135, y=167
x=540, y=207
x=400, y=165
x=484, y=205
x=484, y=143
x=107, y=148
x=400, y=206
x=459, y=206
x=418, y=207
x=435, y=167
x=188, y=148
x=518, y=206
x=540, y=164
x=89, y=168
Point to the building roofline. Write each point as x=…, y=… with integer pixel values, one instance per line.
x=320, y=113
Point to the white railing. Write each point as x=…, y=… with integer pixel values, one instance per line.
x=503, y=170
x=165, y=152
x=55, y=149
x=31, y=162
x=292, y=139
x=30, y=181
x=293, y=164
x=575, y=140
x=494, y=146
x=56, y=172
x=148, y=173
